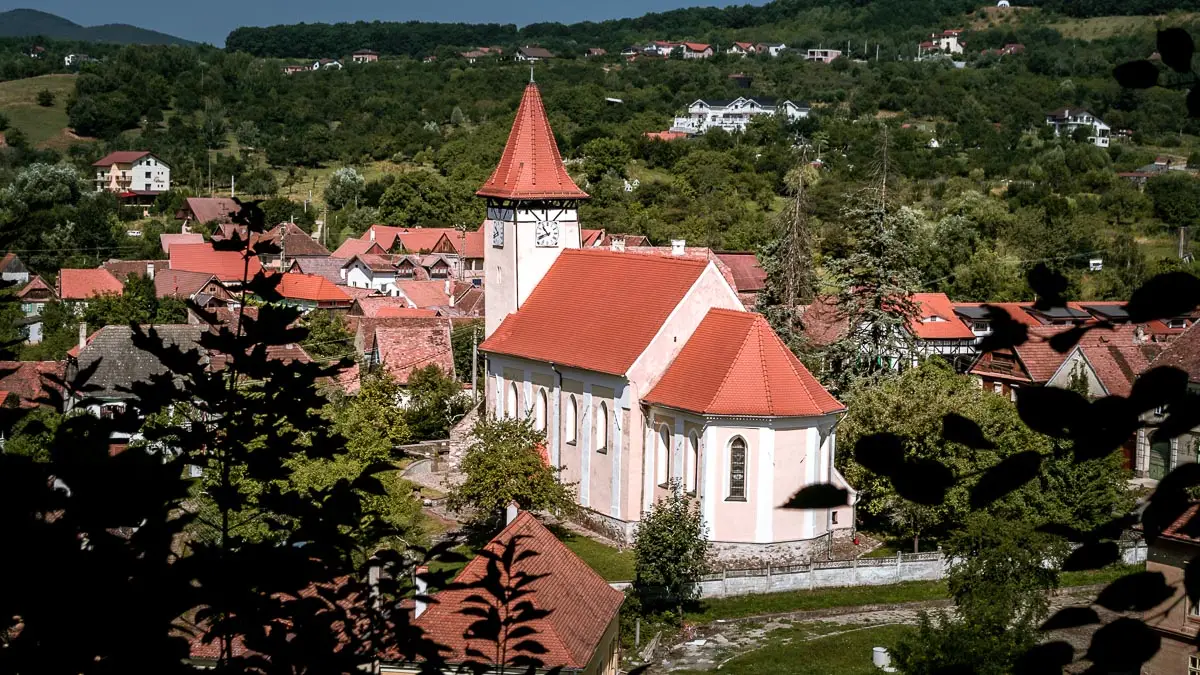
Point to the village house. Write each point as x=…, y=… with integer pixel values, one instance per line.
x=594, y=52
x=34, y=298
x=364, y=56
x=946, y=42
x=116, y=364
x=403, y=345
x=771, y=49
x=822, y=55
x=1156, y=458
x=31, y=384
x=734, y=116
x=12, y=270
x=1176, y=620
x=329, y=267
x=658, y=377
x=293, y=243
x=370, y=271
x=575, y=613
x=741, y=49
x=327, y=64
x=165, y=240
x=310, y=291
x=202, y=288
x=697, y=50
x=81, y=285
x=229, y=266
x=661, y=48
x=1067, y=120
x=353, y=247
x=204, y=210
x=135, y=172
x=533, y=54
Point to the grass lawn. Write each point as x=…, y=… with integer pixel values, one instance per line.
x=317, y=180
x=610, y=563
x=802, y=601
x=42, y=126
x=794, y=651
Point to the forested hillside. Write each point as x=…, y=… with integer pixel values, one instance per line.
x=34, y=23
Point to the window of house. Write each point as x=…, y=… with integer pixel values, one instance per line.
x=602, y=427
x=833, y=517
x=406, y=271
x=1177, y=323
x=1194, y=665
x=691, y=464
x=998, y=387
x=1193, y=610
x=147, y=175
x=539, y=411
x=737, y=469
x=662, y=456
x=510, y=405
x=572, y=422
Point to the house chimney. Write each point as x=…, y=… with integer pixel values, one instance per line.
x=618, y=244
x=150, y=271
x=511, y=513
x=372, y=231
x=422, y=586
x=678, y=246
x=449, y=290
x=82, y=335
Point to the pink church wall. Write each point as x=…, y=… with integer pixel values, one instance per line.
x=735, y=520
x=793, y=455
x=601, y=470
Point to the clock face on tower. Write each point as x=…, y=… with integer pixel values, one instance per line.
x=546, y=233
x=497, y=233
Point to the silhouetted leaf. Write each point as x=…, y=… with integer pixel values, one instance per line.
x=1049, y=285
x=1071, y=617
x=1193, y=102
x=1050, y=410
x=1164, y=296
x=879, y=453
x=1064, y=341
x=1137, y=592
x=1065, y=531
x=1092, y=556
x=1191, y=580
x=923, y=481
x=1123, y=646
x=959, y=429
x=1006, y=331
x=1045, y=659
x=819, y=496
x=1182, y=416
x=1008, y=475
x=1136, y=74
x=1176, y=48
x=1157, y=386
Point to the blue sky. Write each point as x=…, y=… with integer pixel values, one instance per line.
x=211, y=20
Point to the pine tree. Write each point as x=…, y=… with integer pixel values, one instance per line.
x=788, y=262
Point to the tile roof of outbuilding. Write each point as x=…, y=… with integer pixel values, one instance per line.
x=226, y=265
x=937, y=320
x=75, y=284
x=310, y=287
x=328, y=267
x=1183, y=353
x=180, y=283
x=748, y=274
x=294, y=241
x=531, y=166
x=410, y=344
x=580, y=605
x=734, y=364
x=32, y=381
x=1119, y=356
x=596, y=309
x=353, y=247
x=37, y=283
x=167, y=239
x=424, y=294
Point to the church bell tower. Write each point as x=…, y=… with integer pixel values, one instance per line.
x=532, y=212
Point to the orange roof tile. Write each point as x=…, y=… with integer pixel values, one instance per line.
x=409, y=345
x=424, y=294
x=353, y=247
x=226, y=265
x=404, y=313
x=76, y=284
x=1118, y=356
x=571, y=317
x=33, y=381
x=473, y=245
x=590, y=238
x=748, y=274
x=310, y=287
x=531, y=167
x=35, y=285
x=580, y=605
x=937, y=320
x=166, y=240
x=1184, y=529
x=734, y=364
x=414, y=239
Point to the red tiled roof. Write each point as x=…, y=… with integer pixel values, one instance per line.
x=31, y=380
x=937, y=320
x=294, y=241
x=405, y=313
x=414, y=344
x=375, y=263
x=424, y=293
x=123, y=269
x=180, y=283
x=76, y=284
x=372, y=305
x=580, y=604
x=35, y=284
x=121, y=157
x=635, y=293
x=166, y=240
x=748, y=274
x=696, y=46
x=1039, y=358
x=531, y=167
x=413, y=239
x=590, y=238
x=1183, y=353
x=665, y=135
x=473, y=245
x=734, y=364
x=353, y=247
x=311, y=287
x=629, y=239
x=1183, y=529
x=1118, y=356
x=226, y=265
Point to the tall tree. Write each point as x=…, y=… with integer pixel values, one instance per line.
x=788, y=261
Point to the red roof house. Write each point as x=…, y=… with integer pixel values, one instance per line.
x=75, y=284
x=228, y=266
x=353, y=247
x=407, y=345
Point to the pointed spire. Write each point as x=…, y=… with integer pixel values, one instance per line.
x=531, y=166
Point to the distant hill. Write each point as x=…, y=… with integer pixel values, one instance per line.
x=31, y=22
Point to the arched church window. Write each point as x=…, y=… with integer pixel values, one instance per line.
x=737, y=469
x=662, y=456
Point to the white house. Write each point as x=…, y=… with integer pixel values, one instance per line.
x=822, y=55
x=697, y=50
x=734, y=115
x=741, y=49
x=370, y=271
x=770, y=48
x=1066, y=121
x=645, y=372
x=132, y=171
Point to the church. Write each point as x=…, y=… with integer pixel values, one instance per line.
x=644, y=369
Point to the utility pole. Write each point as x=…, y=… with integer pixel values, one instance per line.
x=232, y=187
x=876, y=51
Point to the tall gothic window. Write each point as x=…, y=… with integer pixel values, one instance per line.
x=539, y=410
x=737, y=469
x=662, y=456
x=510, y=405
x=691, y=460
x=572, y=421
x=602, y=427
